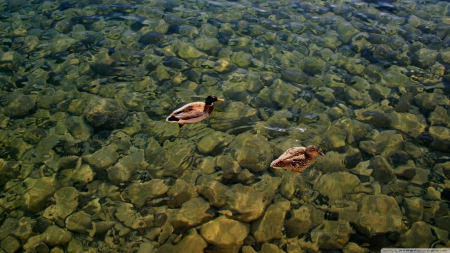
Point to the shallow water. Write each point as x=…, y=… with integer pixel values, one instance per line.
x=89, y=164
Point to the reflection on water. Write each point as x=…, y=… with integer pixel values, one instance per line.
x=88, y=163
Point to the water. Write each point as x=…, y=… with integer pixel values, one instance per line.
x=89, y=164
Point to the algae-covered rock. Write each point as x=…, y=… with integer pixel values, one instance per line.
x=17, y=105
x=241, y=59
x=269, y=226
x=105, y=113
x=78, y=127
x=378, y=214
x=66, y=203
x=388, y=142
x=214, y=191
x=103, y=158
x=382, y=169
x=79, y=222
x=138, y=193
x=302, y=220
x=181, y=192
x=212, y=143
x=332, y=234
x=10, y=244
x=252, y=151
x=55, y=235
x=192, y=213
x=224, y=233
x=38, y=190
x=410, y=124
x=192, y=243
x=298, y=77
x=248, y=203
x=420, y=235
x=82, y=175
x=188, y=51
x=336, y=185
x=429, y=101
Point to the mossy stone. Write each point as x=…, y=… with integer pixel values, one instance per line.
x=33, y=136
x=55, y=235
x=225, y=233
x=10, y=244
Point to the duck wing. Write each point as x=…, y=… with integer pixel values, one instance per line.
x=294, y=153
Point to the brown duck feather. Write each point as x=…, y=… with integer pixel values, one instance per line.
x=296, y=159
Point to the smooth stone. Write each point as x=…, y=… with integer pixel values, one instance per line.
x=429, y=101
x=336, y=185
x=389, y=141
x=225, y=233
x=103, y=158
x=151, y=38
x=247, y=204
x=66, y=203
x=17, y=105
x=332, y=234
x=288, y=184
x=214, y=142
x=378, y=214
x=369, y=147
x=252, y=152
x=439, y=117
x=10, y=244
x=55, y=235
x=424, y=58
x=298, y=77
x=229, y=166
x=192, y=213
x=208, y=44
x=420, y=235
x=82, y=175
x=270, y=225
x=79, y=222
x=79, y=128
x=377, y=118
x=441, y=138
x=382, y=169
x=38, y=191
x=241, y=59
x=139, y=193
x=105, y=113
x=192, y=243
x=188, y=51
x=215, y=191
x=414, y=208
x=313, y=65
x=181, y=192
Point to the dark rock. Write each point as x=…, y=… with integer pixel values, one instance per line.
x=105, y=113
x=382, y=169
x=17, y=105
x=151, y=38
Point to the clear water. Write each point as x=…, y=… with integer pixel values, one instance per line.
x=88, y=162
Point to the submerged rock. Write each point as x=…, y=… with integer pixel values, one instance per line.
x=192, y=213
x=55, y=235
x=192, y=243
x=138, y=193
x=378, y=214
x=252, y=152
x=269, y=226
x=17, y=105
x=224, y=233
x=420, y=235
x=105, y=113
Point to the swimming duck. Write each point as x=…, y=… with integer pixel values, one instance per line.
x=296, y=159
x=193, y=112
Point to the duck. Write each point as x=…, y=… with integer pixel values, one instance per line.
x=193, y=112
x=297, y=159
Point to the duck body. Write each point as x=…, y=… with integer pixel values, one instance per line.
x=193, y=112
x=296, y=159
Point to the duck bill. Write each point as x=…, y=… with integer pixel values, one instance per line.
x=220, y=100
x=320, y=153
